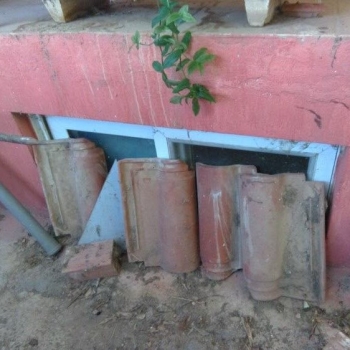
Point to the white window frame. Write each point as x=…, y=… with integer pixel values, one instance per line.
x=322, y=163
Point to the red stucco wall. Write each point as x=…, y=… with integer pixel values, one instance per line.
x=285, y=87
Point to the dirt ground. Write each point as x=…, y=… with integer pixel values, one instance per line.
x=146, y=308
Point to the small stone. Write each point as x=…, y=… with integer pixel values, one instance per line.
x=97, y=312
x=88, y=293
x=306, y=305
x=298, y=315
x=33, y=342
x=141, y=317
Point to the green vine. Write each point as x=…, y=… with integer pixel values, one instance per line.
x=174, y=49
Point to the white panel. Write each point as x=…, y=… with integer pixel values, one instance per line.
x=106, y=220
x=161, y=143
x=59, y=126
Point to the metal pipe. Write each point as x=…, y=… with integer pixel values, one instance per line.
x=48, y=243
x=30, y=141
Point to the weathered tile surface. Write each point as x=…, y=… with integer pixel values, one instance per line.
x=219, y=218
x=160, y=213
x=283, y=219
x=72, y=174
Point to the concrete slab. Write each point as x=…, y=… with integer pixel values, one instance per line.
x=223, y=17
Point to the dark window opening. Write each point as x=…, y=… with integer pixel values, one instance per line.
x=266, y=163
x=119, y=147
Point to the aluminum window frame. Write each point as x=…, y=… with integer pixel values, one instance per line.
x=322, y=162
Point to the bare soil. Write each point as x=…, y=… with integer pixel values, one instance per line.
x=144, y=308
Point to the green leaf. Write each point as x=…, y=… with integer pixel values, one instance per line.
x=160, y=29
x=185, y=15
x=166, y=80
x=136, y=39
x=169, y=83
x=172, y=26
x=173, y=18
x=172, y=58
x=199, y=53
x=188, y=18
x=192, y=67
x=208, y=97
x=186, y=40
x=161, y=15
x=205, y=58
x=182, y=85
x=195, y=106
x=181, y=47
x=164, y=40
x=165, y=50
x=200, y=67
x=182, y=64
x=157, y=66
x=183, y=9
x=174, y=82
x=168, y=3
x=176, y=100
x=203, y=93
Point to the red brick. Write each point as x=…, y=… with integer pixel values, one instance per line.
x=95, y=260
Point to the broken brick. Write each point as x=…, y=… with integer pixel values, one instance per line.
x=94, y=260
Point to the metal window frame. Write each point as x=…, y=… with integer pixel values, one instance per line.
x=322, y=163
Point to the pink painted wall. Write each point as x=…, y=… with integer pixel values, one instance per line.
x=285, y=87
x=18, y=170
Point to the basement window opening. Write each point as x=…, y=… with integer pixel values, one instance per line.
x=266, y=163
x=271, y=156
x=117, y=146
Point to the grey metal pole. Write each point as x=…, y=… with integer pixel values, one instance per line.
x=29, y=141
x=48, y=243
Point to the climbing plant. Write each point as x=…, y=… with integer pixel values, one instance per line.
x=174, y=47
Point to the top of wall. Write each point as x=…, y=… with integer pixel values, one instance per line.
x=220, y=17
